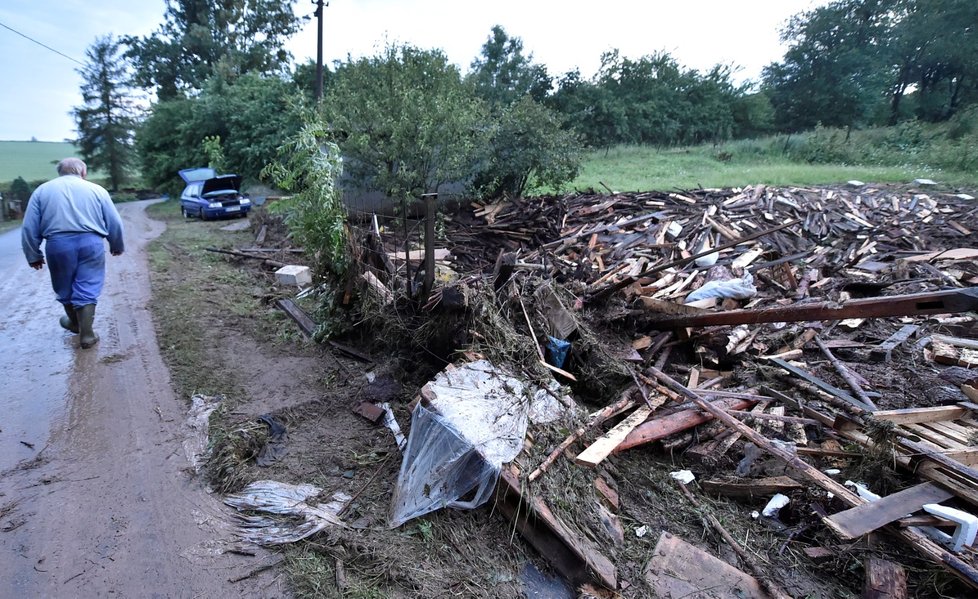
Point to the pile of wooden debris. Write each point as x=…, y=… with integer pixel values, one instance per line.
x=820, y=327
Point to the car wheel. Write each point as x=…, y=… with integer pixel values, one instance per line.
x=201, y=215
x=183, y=211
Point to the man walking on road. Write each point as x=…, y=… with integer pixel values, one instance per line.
x=73, y=216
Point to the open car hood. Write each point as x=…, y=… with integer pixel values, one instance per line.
x=192, y=175
x=221, y=183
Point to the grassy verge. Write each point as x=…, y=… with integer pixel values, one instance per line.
x=195, y=291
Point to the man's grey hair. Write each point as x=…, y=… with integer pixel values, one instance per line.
x=72, y=166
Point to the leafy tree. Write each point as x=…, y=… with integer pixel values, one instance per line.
x=529, y=147
x=309, y=165
x=502, y=75
x=252, y=117
x=753, y=115
x=936, y=44
x=202, y=38
x=107, y=118
x=652, y=100
x=405, y=121
x=836, y=68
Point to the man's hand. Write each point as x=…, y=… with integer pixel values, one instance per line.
x=117, y=253
x=37, y=265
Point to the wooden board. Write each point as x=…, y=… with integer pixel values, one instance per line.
x=884, y=580
x=752, y=487
x=660, y=428
x=602, y=448
x=865, y=518
x=948, y=431
x=568, y=553
x=678, y=569
x=917, y=415
x=939, y=439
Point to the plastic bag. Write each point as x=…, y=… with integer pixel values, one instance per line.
x=731, y=288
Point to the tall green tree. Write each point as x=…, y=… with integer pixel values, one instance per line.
x=503, y=74
x=837, y=67
x=202, y=38
x=405, y=122
x=251, y=116
x=107, y=117
x=936, y=46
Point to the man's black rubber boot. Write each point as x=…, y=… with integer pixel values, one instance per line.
x=86, y=316
x=70, y=320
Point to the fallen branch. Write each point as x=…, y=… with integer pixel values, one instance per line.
x=845, y=373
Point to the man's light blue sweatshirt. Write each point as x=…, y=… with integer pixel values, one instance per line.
x=69, y=204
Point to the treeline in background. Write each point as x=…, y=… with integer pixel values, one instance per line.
x=888, y=83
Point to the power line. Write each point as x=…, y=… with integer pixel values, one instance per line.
x=40, y=44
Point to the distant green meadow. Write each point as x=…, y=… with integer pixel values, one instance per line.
x=32, y=160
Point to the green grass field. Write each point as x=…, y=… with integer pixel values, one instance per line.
x=632, y=168
x=32, y=160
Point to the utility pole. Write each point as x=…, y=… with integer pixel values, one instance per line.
x=319, y=49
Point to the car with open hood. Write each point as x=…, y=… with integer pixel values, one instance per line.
x=209, y=195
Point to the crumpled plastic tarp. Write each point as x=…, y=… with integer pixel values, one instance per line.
x=475, y=422
x=742, y=288
x=290, y=516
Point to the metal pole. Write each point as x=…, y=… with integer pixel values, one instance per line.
x=319, y=50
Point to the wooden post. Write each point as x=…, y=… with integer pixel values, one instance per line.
x=430, y=210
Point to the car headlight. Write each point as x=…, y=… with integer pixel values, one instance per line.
x=245, y=201
x=215, y=205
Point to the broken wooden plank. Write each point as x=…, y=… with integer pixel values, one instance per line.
x=306, y=324
x=831, y=390
x=865, y=518
x=917, y=304
x=884, y=580
x=917, y=415
x=678, y=569
x=567, y=553
x=884, y=351
x=660, y=428
x=602, y=448
x=752, y=487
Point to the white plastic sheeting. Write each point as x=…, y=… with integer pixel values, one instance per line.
x=475, y=421
x=289, y=515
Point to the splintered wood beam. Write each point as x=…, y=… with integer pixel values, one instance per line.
x=884, y=580
x=567, y=553
x=915, y=304
x=660, y=428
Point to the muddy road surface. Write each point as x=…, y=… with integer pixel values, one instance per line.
x=96, y=495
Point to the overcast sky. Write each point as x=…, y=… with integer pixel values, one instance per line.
x=40, y=87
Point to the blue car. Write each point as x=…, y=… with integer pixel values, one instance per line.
x=209, y=195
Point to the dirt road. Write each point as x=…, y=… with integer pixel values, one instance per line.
x=95, y=496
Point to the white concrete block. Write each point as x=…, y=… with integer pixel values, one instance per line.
x=293, y=274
